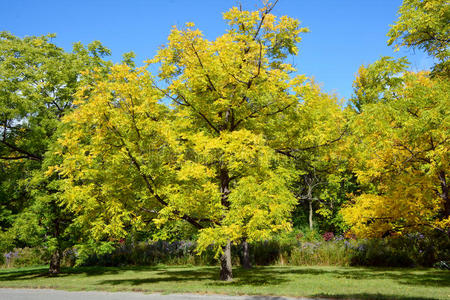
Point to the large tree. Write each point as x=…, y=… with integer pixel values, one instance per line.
x=210, y=159
x=37, y=83
x=402, y=148
x=314, y=140
x=401, y=131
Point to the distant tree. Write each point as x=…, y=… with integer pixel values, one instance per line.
x=315, y=141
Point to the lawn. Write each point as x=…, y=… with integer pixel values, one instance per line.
x=333, y=282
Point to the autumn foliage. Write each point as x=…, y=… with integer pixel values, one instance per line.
x=227, y=142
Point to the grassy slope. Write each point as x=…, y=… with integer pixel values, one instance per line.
x=336, y=282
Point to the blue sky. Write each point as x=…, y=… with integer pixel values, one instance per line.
x=344, y=33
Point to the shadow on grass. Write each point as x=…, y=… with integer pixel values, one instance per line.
x=402, y=276
x=168, y=275
x=370, y=297
x=210, y=277
x=259, y=276
x=42, y=272
x=415, y=277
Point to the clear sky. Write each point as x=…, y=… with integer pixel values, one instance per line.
x=344, y=33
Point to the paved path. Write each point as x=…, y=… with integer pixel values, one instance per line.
x=46, y=294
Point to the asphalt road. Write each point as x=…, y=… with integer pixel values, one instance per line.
x=45, y=294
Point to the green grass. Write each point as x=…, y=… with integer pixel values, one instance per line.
x=333, y=282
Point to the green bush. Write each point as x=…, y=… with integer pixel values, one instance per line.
x=150, y=253
x=297, y=248
x=25, y=257
x=412, y=249
x=321, y=254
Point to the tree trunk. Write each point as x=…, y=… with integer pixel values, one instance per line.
x=310, y=214
x=55, y=263
x=246, y=264
x=444, y=194
x=226, y=272
x=224, y=178
x=55, y=260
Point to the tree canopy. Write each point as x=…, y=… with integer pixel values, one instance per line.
x=226, y=138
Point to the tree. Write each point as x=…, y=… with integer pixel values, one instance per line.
x=37, y=82
x=314, y=141
x=208, y=160
x=424, y=24
x=402, y=139
x=401, y=131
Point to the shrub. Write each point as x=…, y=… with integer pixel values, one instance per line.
x=328, y=236
x=24, y=257
x=412, y=249
x=321, y=254
x=151, y=253
x=297, y=248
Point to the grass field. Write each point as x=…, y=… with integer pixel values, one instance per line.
x=332, y=282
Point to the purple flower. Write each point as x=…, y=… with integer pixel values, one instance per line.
x=339, y=238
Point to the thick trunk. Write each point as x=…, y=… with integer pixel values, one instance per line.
x=55, y=260
x=226, y=272
x=55, y=263
x=444, y=194
x=246, y=264
x=224, y=187
x=310, y=214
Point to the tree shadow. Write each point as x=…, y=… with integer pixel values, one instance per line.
x=97, y=271
x=168, y=275
x=369, y=296
x=242, y=277
x=258, y=276
x=23, y=274
x=402, y=276
x=42, y=272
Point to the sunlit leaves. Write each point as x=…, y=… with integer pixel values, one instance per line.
x=403, y=137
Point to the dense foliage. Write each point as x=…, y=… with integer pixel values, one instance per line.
x=223, y=146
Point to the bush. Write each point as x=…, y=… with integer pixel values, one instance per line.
x=299, y=248
x=332, y=253
x=380, y=253
x=151, y=253
x=412, y=249
x=24, y=257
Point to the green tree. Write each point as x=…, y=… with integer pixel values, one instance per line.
x=37, y=83
x=315, y=141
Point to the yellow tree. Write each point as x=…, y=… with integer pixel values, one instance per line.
x=402, y=147
x=210, y=159
x=424, y=24
x=402, y=130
